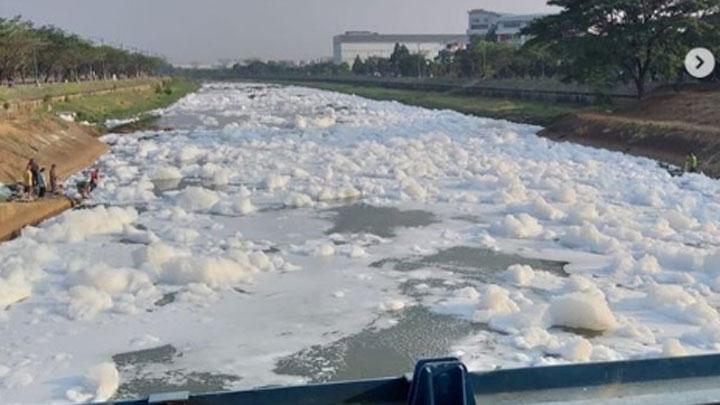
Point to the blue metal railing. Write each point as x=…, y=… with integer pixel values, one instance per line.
x=446, y=382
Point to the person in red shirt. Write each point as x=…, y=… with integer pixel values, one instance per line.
x=94, y=178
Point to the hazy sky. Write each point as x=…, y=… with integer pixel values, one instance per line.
x=208, y=30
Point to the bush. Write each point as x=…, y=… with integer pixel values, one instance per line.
x=6, y=105
x=81, y=116
x=168, y=91
x=158, y=88
x=47, y=98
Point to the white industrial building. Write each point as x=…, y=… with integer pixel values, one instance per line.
x=507, y=27
x=366, y=44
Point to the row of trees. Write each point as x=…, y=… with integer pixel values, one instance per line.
x=49, y=54
x=400, y=63
x=482, y=59
x=257, y=68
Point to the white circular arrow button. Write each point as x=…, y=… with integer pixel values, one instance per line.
x=700, y=63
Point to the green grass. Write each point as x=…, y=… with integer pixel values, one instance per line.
x=27, y=92
x=525, y=111
x=126, y=103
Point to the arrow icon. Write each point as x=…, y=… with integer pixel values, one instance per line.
x=700, y=63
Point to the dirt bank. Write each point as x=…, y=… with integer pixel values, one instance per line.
x=667, y=127
x=48, y=140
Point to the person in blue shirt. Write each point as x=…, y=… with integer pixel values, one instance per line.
x=42, y=186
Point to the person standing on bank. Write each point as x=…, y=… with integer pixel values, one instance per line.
x=53, y=179
x=42, y=187
x=35, y=169
x=28, y=181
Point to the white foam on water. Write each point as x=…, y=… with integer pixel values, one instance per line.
x=241, y=245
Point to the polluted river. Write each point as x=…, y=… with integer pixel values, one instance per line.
x=284, y=235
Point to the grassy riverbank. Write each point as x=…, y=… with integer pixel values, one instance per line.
x=27, y=92
x=525, y=111
x=128, y=102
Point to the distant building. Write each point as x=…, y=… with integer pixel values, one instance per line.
x=366, y=44
x=481, y=22
x=506, y=27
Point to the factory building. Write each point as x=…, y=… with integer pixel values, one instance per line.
x=506, y=27
x=366, y=44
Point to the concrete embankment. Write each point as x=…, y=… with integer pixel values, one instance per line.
x=48, y=140
x=15, y=216
x=28, y=129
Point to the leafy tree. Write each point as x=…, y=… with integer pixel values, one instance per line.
x=359, y=67
x=50, y=54
x=606, y=41
x=399, y=53
x=344, y=68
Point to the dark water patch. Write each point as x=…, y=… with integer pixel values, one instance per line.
x=410, y=287
x=472, y=257
x=674, y=171
x=142, y=386
x=163, y=355
x=88, y=205
x=166, y=299
x=146, y=372
x=586, y=333
x=478, y=263
x=473, y=219
x=375, y=352
x=162, y=186
x=380, y=221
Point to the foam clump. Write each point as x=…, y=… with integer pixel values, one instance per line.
x=167, y=173
x=99, y=384
x=590, y=238
x=493, y=301
x=276, y=182
x=582, y=310
x=197, y=199
x=86, y=302
x=76, y=226
x=215, y=272
x=521, y=275
x=673, y=348
x=155, y=255
x=522, y=226
x=576, y=349
x=299, y=200
x=414, y=190
x=112, y=280
x=648, y=264
x=674, y=301
x=13, y=289
x=244, y=206
x=324, y=250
